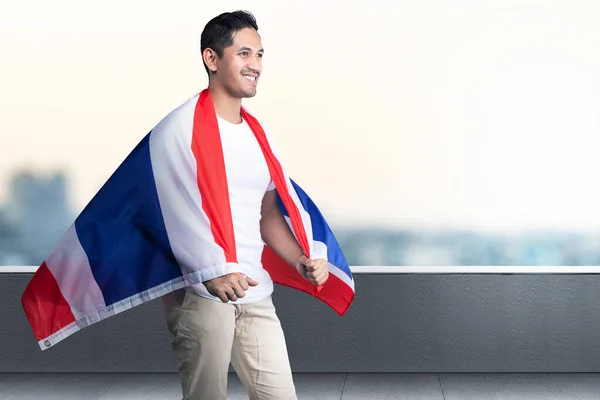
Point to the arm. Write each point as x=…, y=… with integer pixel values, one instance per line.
x=275, y=231
x=278, y=236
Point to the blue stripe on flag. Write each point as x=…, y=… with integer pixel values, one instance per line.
x=123, y=233
x=320, y=230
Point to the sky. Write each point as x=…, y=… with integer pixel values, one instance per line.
x=434, y=114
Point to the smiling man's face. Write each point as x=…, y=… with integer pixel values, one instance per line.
x=239, y=69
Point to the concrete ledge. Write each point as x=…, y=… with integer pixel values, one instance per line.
x=399, y=323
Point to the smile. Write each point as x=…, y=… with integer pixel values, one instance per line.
x=250, y=78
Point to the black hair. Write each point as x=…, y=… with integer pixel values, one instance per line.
x=218, y=32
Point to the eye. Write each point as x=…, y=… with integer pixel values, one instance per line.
x=244, y=53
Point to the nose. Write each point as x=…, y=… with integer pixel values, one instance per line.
x=255, y=64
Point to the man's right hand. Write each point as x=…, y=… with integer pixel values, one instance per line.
x=229, y=287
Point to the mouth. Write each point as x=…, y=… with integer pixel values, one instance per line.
x=251, y=78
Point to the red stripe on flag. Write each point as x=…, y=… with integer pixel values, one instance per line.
x=280, y=182
x=212, y=178
x=45, y=307
x=334, y=292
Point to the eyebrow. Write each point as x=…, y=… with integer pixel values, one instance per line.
x=249, y=49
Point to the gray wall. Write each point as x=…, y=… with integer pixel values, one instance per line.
x=399, y=323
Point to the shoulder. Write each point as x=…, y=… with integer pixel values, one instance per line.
x=184, y=112
x=265, y=126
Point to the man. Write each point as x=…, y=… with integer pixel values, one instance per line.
x=231, y=318
x=201, y=213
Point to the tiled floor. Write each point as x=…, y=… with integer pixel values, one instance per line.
x=313, y=386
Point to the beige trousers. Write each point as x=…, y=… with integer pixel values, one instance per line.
x=209, y=335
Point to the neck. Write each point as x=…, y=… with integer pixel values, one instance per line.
x=226, y=106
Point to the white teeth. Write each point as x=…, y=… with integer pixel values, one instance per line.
x=250, y=78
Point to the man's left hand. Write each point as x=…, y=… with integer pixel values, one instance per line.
x=315, y=271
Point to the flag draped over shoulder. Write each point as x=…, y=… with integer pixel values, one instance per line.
x=163, y=221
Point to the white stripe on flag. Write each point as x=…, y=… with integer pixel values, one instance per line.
x=320, y=251
x=71, y=268
x=175, y=173
x=340, y=274
x=305, y=216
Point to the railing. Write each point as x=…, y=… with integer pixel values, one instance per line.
x=361, y=269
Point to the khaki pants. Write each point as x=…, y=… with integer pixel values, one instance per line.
x=209, y=335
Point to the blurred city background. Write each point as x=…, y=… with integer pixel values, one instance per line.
x=428, y=133
x=38, y=212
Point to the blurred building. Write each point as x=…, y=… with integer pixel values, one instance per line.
x=38, y=213
x=35, y=217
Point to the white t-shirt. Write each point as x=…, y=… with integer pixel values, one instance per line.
x=248, y=180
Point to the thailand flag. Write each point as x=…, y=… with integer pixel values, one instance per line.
x=162, y=222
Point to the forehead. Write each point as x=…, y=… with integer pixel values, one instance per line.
x=247, y=37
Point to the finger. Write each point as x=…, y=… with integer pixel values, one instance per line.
x=223, y=296
x=320, y=264
x=307, y=262
x=321, y=277
x=251, y=281
x=303, y=259
x=238, y=291
x=232, y=297
x=316, y=272
x=243, y=283
x=210, y=288
x=303, y=272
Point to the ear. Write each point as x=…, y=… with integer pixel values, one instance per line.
x=210, y=59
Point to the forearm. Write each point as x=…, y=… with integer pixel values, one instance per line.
x=277, y=235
